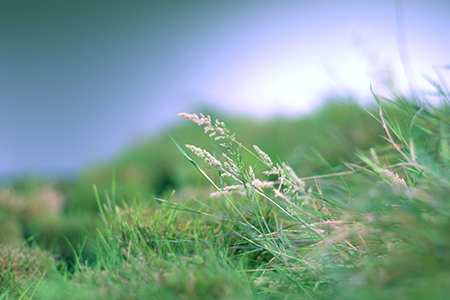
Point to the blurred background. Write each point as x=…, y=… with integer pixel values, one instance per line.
x=80, y=81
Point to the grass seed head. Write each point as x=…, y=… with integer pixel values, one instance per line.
x=392, y=178
x=216, y=128
x=205, y=155
x=230, y=164
x=265, y=158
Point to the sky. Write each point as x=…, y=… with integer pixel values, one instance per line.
x=82, y=80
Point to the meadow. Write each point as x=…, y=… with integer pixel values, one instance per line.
x=346, y=202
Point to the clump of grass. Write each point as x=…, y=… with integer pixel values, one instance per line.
x=22, y=269
x=280, y=219
x=400, y=213
x=148, y=251
x=372, y=230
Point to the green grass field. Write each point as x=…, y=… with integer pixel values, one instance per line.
x=343, y=203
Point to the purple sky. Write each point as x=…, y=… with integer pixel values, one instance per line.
x=81, y=80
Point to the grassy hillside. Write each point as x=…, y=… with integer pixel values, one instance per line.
x=342, y=203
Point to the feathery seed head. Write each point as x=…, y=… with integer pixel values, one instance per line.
x=233, y=176
x=262, y=184
x=231, y=189
x=278, y=170
x=229, y=164
x=264, y=157
x=217, y=127
x=251, y=173
x=392, y=178
x=205, y=155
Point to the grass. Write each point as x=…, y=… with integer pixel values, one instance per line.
x=358, y=209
